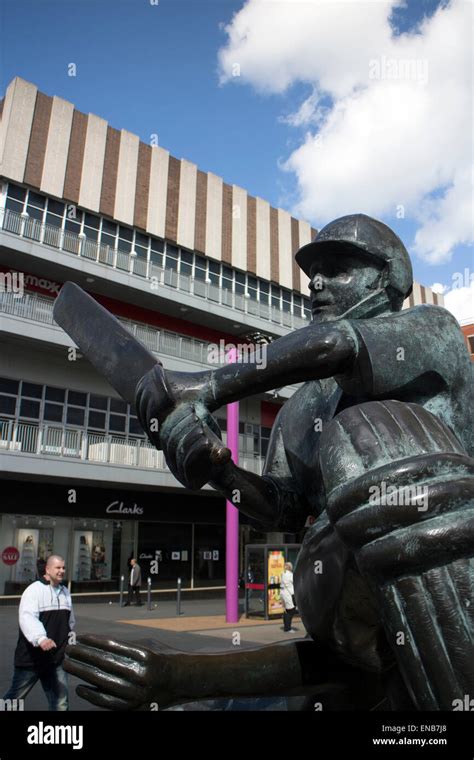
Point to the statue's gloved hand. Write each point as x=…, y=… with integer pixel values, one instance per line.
x=177, y=421
x=120, y=676
x=191, y=441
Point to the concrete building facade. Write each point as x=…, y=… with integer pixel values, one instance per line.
x=186, y=260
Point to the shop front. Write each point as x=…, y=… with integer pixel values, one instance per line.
x=98, y=530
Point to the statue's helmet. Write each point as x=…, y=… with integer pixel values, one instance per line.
x=359, y=232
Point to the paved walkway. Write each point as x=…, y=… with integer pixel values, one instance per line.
x=201, y=628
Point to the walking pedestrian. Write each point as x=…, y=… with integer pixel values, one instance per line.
x=287, y=593
x=134, y=584
x=46, y=617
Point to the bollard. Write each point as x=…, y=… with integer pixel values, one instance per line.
x=148, y=583
x=178, y=598
x=122, y=578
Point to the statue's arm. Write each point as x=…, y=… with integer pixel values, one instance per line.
x=312, y=352
x=120, y=676
x=273, y=498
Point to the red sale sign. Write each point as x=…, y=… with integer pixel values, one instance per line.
x=10, y=555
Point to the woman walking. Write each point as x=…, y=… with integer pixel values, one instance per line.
x=287, y=597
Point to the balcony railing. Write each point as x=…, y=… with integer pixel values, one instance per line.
x=166, y=280
x=80, y=445
x=40, y=309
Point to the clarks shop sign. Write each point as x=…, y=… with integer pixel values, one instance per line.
x=124, y=510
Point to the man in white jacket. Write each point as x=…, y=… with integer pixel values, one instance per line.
x=287, y=593
x=46, y=617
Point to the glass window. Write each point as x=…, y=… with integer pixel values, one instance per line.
x=126, y=233
x=15, y=206
x=73, y=213
x=124, y=245
x=307, y=308
x=98, y=402
x=35, y=213
x=214, y=272
x=53, y=412
x=174, y=542
x=55, y=221
x=8, y=386
x=97, y=420
x=90, y=233
x=34, y=199
x=171, y=263
x=286, y=299
x=79, y=399
x=107, y=239
x=92, y=221
x=109, y=227
x=117, y=423
x=200, y=268
x=31, y=389
x=142, y=253
x=16, y=192
x=252, y=287
x=134, y=427
x=55, y=394
x=227, y=277
x=7, y=404
x=118, y=406
x=264, y=291
x=72, y=226
x=239, y=283
x=171, y=257
x=29, y=408
x=141, y=239
x=157, y=245
x=186, y=266
x=156, y=259
x=209, y=555
x=276, y=297
x=75, y=416
x=55, y=207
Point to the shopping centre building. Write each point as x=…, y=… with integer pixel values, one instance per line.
x=185, y=260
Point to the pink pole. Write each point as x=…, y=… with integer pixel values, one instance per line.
x=232, y=516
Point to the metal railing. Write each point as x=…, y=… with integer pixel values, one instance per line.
x=160, y=278
x=71, y=443
x=40, y=309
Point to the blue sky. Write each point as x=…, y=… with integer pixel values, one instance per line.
x=154, y=69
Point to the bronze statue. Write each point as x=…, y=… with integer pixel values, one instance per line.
x=377, y=445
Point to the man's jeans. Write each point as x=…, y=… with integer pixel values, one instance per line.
x=53, y=681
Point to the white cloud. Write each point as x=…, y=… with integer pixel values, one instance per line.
x=396, y=136
x=460, y=302
x=438, y=287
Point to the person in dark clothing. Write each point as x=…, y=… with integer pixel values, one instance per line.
x=134, y=584
x=46, y=617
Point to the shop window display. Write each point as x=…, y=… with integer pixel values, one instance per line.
x=83, y=555
x=28, y=544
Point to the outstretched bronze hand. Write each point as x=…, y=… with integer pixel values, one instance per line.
x=120, y=676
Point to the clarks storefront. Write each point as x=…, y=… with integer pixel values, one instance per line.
x=97, y=530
